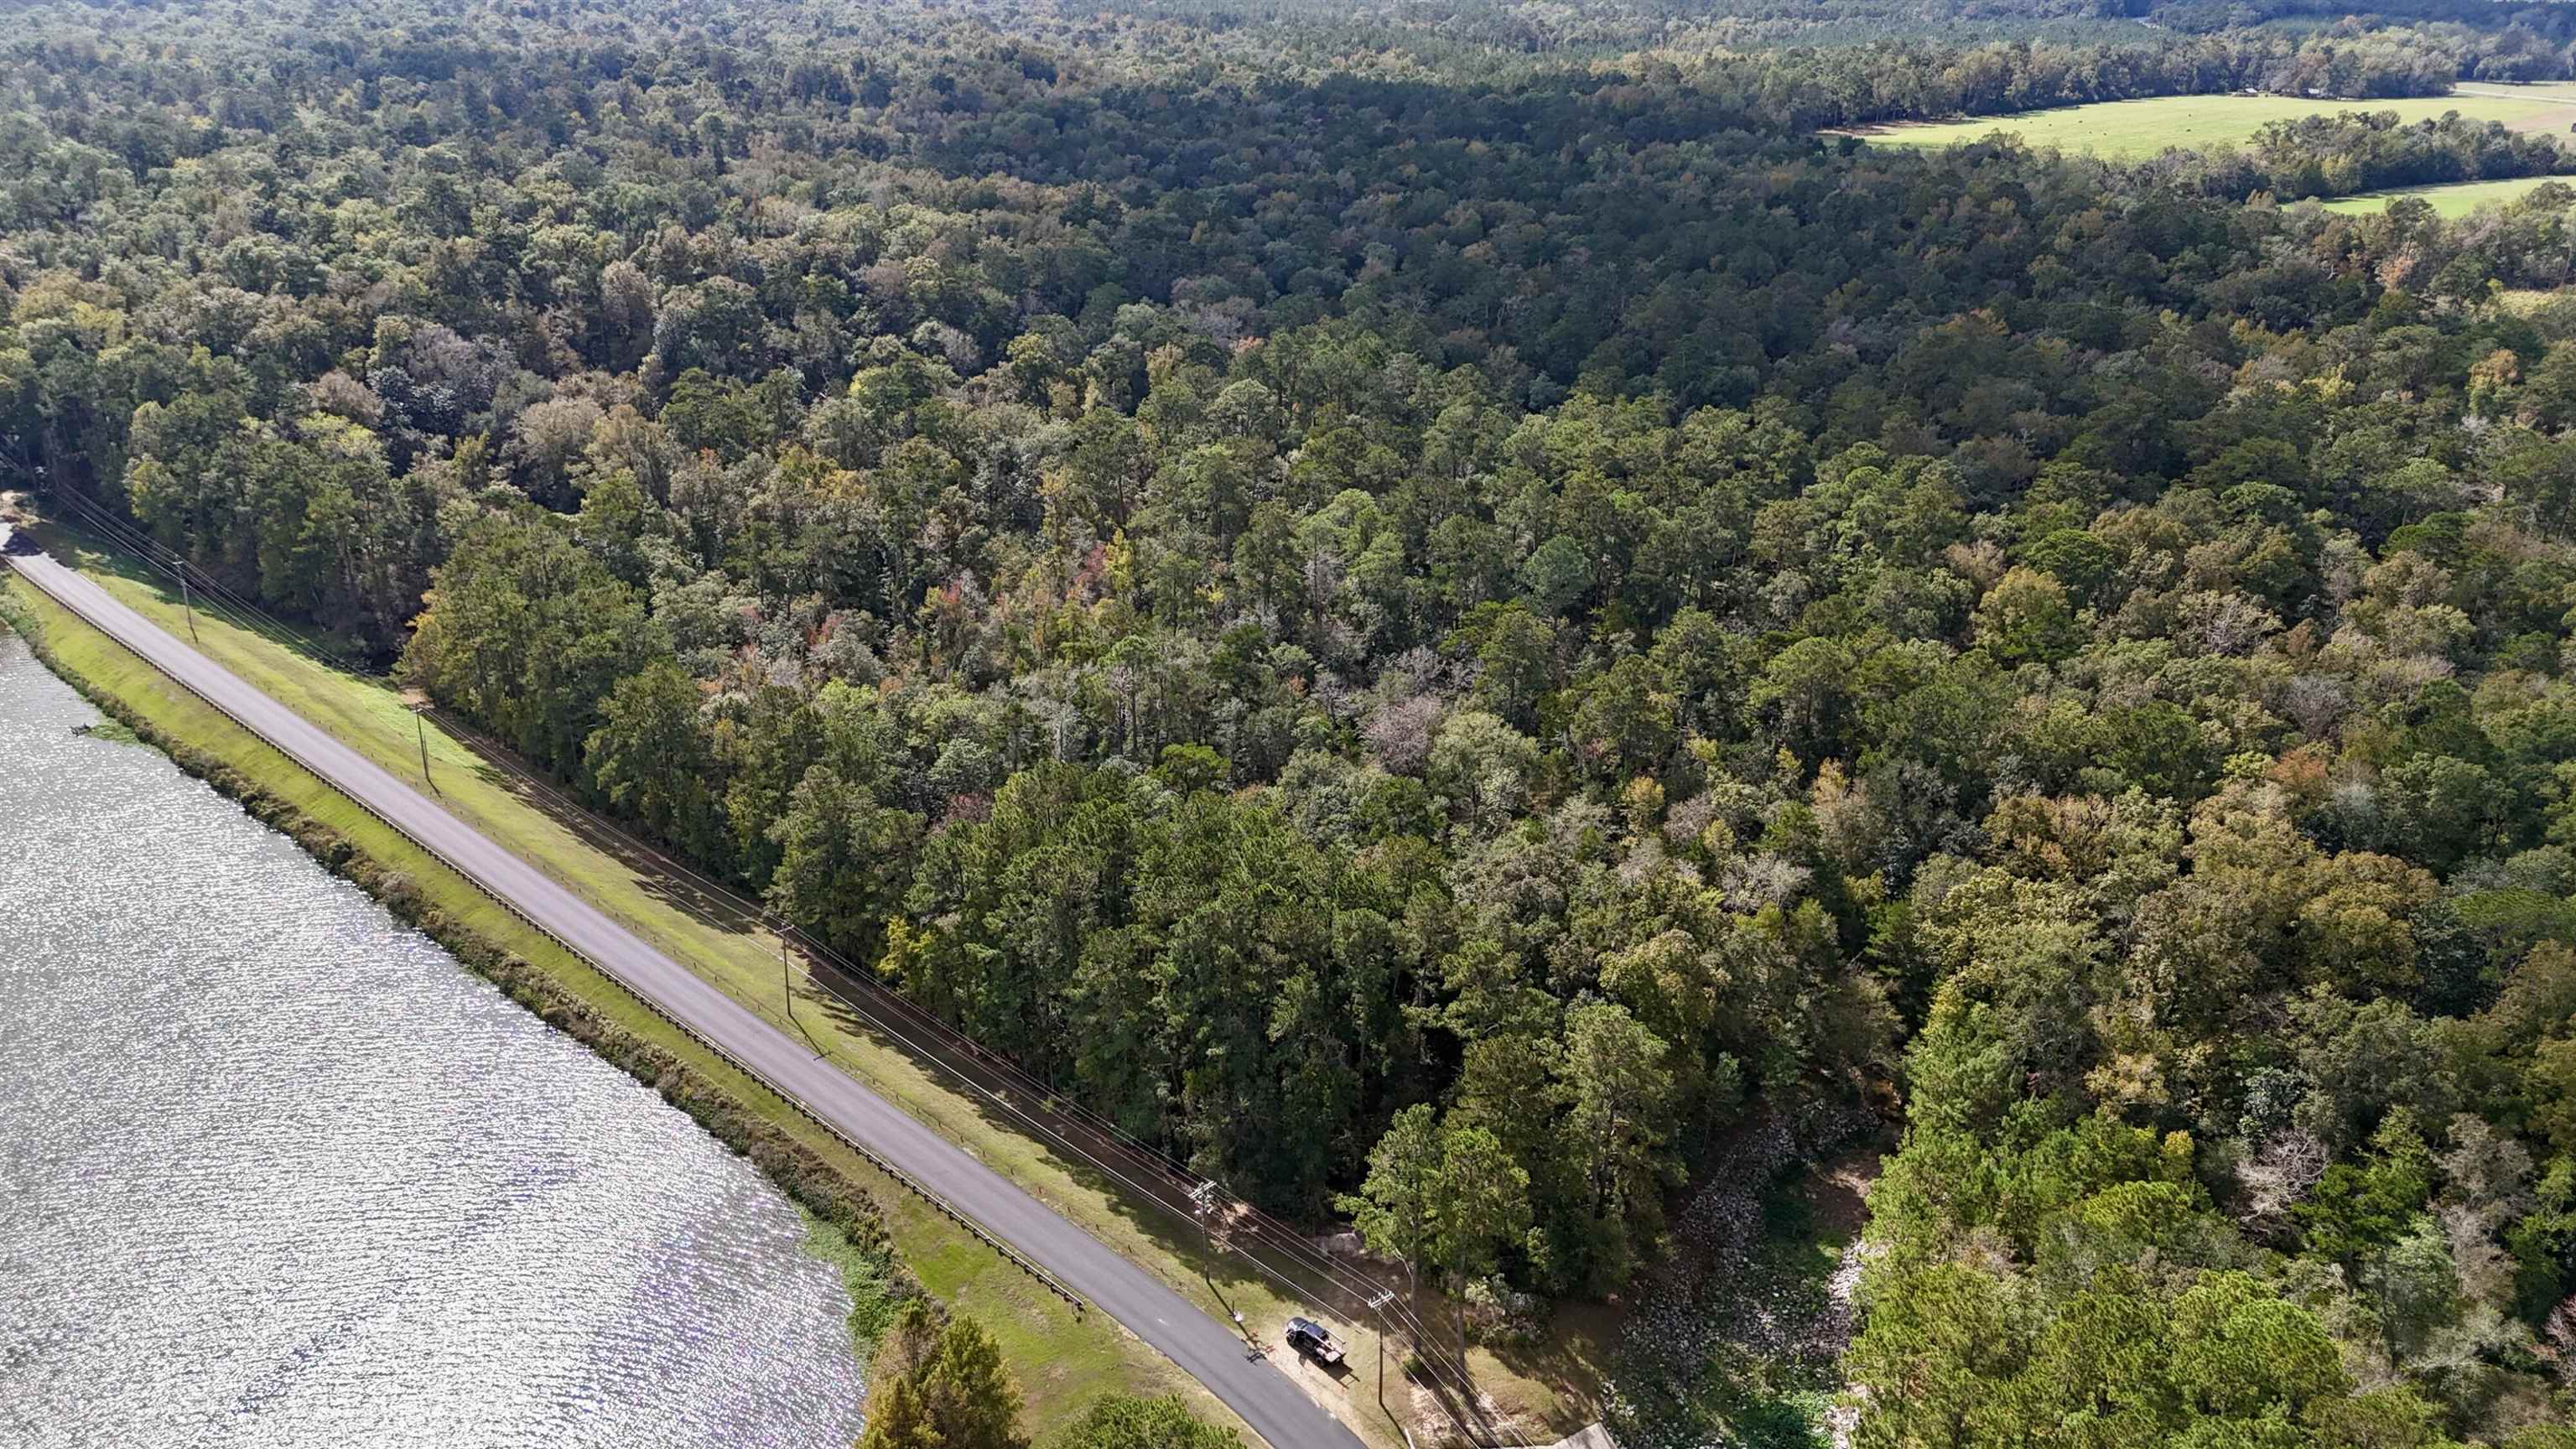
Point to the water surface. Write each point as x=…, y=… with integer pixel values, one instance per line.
x=275, y=1171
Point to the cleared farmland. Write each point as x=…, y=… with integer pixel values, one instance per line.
x=2459, y=198
x=2134, y=130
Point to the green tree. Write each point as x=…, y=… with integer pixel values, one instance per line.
x=1482, y=766
x=2438, y=808
x=942, y=1386
x=1396, y=1208
x=1480, y=1205
x=969, y=1396
x=527, y=634
x=897, y=1417
x=2240, y=1352
x=1803, y=697
x=1619, y=1091
x=1121, y=1421
x=1624, y=721
x=2359, y=1207
x=2159, y=748
x=650, y=760
x=2077, y=559
x=1515, y=661
x=2026, y=618
x=1939, y=1342
x=1556, y=577
x=844, y=861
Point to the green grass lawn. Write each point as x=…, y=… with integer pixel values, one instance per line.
x=1062, y=1362
x=2135, y=130
x=2459, y=198
x=1555, y=1390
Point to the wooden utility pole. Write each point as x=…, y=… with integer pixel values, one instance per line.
x=186, y=605
x=1202, y=1199
x=787, y=993
x=418, y=703
x=1377, y=1305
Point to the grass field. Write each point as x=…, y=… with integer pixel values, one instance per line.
x=2135, y=130
x=1552, y=1389
x=2456, y=199
x=2560, y=90
x=1062, y=1362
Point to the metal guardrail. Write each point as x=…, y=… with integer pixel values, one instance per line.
x=968, y=1063
x=871, y=1156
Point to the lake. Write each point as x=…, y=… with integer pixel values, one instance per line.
x=278, y=1172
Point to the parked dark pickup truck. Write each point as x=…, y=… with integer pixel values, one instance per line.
x=1309, y=1338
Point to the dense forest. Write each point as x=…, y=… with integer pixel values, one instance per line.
x=1443, y=612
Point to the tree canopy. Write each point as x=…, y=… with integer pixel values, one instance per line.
x=1442, y=612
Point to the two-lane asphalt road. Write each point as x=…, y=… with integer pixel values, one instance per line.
x=1210, y=1352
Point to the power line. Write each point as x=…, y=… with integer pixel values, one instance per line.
x=1247, y=1217
x=1241, y=1215
x=230, y=605
x=1360, y=1289
x=1343, y=1277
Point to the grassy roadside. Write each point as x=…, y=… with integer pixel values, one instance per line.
x=864, y=1223
x=1551, y=1389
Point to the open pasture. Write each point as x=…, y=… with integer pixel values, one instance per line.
x=2135, y=130
x=2459, y=198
